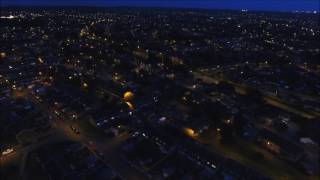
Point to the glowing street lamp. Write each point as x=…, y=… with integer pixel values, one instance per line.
x=2, y=55
x=128, y=95
x=268, y=143
x=130, y=105
x=7, y=151
x=40, y=60
x=189, y=132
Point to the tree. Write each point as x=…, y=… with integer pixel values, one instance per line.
x=254, y=95
x=227, y=133
x=239, y=122
x=226, y=87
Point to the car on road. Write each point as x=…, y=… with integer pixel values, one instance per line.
x=74, y=129
x=7, y=151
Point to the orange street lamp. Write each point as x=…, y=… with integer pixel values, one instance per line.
x=128, y=95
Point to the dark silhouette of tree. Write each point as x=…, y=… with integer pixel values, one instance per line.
x=225, y=87
x=254, y=95
x=227, y=133
x=239, y=122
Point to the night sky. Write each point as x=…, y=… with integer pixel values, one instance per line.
x=274, y=5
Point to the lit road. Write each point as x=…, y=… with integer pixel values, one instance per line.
x=109, y=147
x=20, y=154
x=9, y=158
x=20, y=150
x=271, y=100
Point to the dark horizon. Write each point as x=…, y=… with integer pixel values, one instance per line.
x=261, y=5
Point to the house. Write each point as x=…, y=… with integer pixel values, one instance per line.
x=279, y=145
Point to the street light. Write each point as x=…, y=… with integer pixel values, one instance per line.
x=130, y=105
x=189, y=132
x=128, y=95
x=268, y=143
x=40, y=60
x=3, y=55
x=7, y=151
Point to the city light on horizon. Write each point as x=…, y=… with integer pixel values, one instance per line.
x=243, y=5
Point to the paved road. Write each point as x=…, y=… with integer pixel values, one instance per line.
x=5, y=160
x=271, y=100
x=109, y=147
